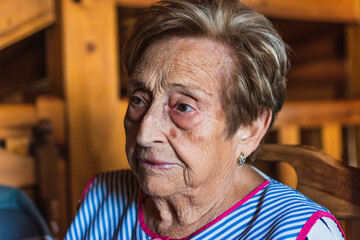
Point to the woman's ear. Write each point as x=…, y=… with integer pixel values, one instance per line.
x=250, y=136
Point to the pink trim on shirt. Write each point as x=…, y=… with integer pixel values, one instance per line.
x=143, y=225
x=145, y=228
x=312, y=220
x=86, y=190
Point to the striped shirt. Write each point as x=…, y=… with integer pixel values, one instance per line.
x=112, y=209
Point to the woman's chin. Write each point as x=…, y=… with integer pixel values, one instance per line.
x=158, y=183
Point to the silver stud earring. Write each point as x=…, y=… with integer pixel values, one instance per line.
x=241, y=159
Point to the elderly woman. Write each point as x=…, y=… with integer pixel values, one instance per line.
x=207, y=78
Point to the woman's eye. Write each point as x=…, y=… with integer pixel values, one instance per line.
x=182, y=107
x=136, y=100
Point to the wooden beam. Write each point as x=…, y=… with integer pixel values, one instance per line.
x=15, y=115
x=309, y=10
x=122, y=107
x=51, y=163
x=20, y=19
x=90, y=56
x=6, y=132
x=326, y=72
x=331, y=137
x=289, y=134
x=54, y=61
x=51, y=107
x=353, y=59
x=316, y=113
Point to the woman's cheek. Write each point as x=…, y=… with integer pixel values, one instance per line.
x=135, y=114
x=187, y=120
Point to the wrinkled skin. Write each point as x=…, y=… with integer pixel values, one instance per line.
x=175, y=136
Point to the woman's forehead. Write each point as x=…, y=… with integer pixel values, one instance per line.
x=182, y=61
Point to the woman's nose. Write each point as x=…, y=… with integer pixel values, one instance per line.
x=151, y=129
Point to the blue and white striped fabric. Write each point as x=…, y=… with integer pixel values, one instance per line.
x=110, y=210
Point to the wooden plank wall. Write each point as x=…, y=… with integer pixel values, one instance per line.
x=91, y=78
x=309, y=10
x=353, y=91
x=20, y=19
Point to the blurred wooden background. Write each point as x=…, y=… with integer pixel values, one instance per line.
x=71, y=49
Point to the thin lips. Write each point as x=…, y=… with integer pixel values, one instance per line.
x=155, y=161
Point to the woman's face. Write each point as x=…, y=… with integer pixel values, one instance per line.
x=175, y=137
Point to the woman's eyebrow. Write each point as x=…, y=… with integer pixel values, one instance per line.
x=137, y=84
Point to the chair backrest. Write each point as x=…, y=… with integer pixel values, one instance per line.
x=299, y=122
x=320, y=177
x=17, y=166
x=29, y=154
x=330, y=116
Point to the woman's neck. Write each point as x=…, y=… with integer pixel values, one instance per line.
x=183, y=214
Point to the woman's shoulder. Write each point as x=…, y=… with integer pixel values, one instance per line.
x=281, y=194
x=110, y=200
x=278, y=210
x=273, y=210
x=287, y=196
x=323, y=228
x=290, y=206
x=113, y=178
x=119, y=182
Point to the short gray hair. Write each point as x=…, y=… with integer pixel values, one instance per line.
x=256, y=82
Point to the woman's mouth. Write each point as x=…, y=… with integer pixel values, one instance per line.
x=155, y=164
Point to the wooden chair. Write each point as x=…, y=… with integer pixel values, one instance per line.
x=330, y=116
x=30, y=136
x=326, y=121
x=321, y=177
